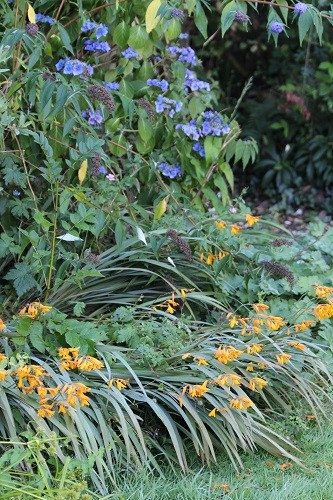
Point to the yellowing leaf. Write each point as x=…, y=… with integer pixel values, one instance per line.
x=161, y=208
x=152, y=19
x=31, y=14
x=83, y=171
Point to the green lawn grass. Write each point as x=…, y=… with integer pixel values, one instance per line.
x=261, y=479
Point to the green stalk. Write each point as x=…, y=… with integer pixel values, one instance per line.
x=49, y=279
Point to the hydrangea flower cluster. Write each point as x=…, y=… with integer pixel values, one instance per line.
x=94, y=118
x=185, y=54
x=300, y=8
x=96, y=46
x=169, y=105
x=44, y=19
x=183, y=36
x=276, y=27
x=129, y=53
x=73, y=67
x=192, y=83
x=198, y=148
x=162, y=84
x=170, y=171
x=111, y=86
x=100, y=29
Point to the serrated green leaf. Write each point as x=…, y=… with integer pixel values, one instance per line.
x=228, y=16
x=145, y=129
x=121, y=34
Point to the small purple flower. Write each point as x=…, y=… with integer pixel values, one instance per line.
x=73, y=67
x=199, y=149
x=96, y=46
x=183, y=36
x=178, y=14
x=162, y=84
x=102, y=170
x=193, y=84
x=169, y=105
x=190, y=129
x=94, y=118
x=60, y=64
x=241, y=17
x=276, y=27
x=185, y=54
x=110, y=177
x=300, y=8
x=233, y=210
x=87, y=26
x=44, y=19
x=111, y=86
x=170, y=171
x=129, y=53
x=101, y=30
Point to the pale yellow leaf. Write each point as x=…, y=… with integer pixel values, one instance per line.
x=83, y=171
x=31, y=14
x=161, y=208
x=152, y=19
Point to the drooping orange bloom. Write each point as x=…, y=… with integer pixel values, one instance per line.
x=220, y=224
x=257, y=383
x=222, y=254
x=3, y=375
x=235, y=229
x=274, y=322
x=229, y=379
x=251, y=219
x=2, y=326
x=298, y=345
x=186, y=355
x=226, y=354
x=212, y=413
x=68, y=352
x=324, y=311
x=254, y=348
x=262, y=366
x=210, y=259
x=241, y=403
x=260, y=308
x=300, y=327
x=201, y=361
x=34, y=309
x=2, y=356
x=196, y=391
x=282, y=358
x=88, y=363
x=323, y=292
x=120, y=383
x=46, y=411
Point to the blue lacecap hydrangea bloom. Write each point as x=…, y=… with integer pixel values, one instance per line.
x=44, y=19
x=101, y=30
x=94, y=118
x=199, y=149
x=73, y=67
x=88, y=26
x=276, y=27
x=129, y=53
x=162, y=84
x=185, y=54
x=92, y=46
x=192, y=83
x=300, y=8
x=212, y=124
x=169, y=105
x=111, y=85
x=170, y=171
x=102, y=170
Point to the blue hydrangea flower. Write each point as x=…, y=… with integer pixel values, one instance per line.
x=183, y=36
x=300, y=8
x=102, y=170
x=88, y=26
x=94, y=118
x=111, y=85
x=44, y=19
x=199, y=149
x=276, y=27
x=162, y=84
x=73, y=67
x=190, y=129
x=101, y=30
x=96, y=46
x=185, y=54
x=212, y=124
x=16, y=192
x=169, y=105
x=129, y=53
x=170, y=171
x=193, y=84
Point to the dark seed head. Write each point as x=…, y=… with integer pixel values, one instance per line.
x=31, y=29
x=101, y=95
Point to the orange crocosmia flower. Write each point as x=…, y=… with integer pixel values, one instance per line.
x=233, y=322
x=186, y=355
x=88, y=363
x=198, y=390
x=254, y=348
x=251, y=219
x=298, y=345
x=2, y=326
x=3, y=375
x=285, y=466
x=300, y=327
x=226, y=354
x=260, y=308
x=324, y=311
x=34, y=309
x=68, y=352
x=250, y=368
x=282, y=358
x=323, y=292
x=229, y=379
x=2, y=356
x=201, y=361
x=257, y=383
x=46, y=411
x=120, y=383
x=62, y=408
x=262, y=365
x=223, y=486
x=202, y=256
x=222, y=254
x=235, y=229
x=241, y=403
x=212, y=413
x=210, y=259
x=274, y=322
x=220, y=224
